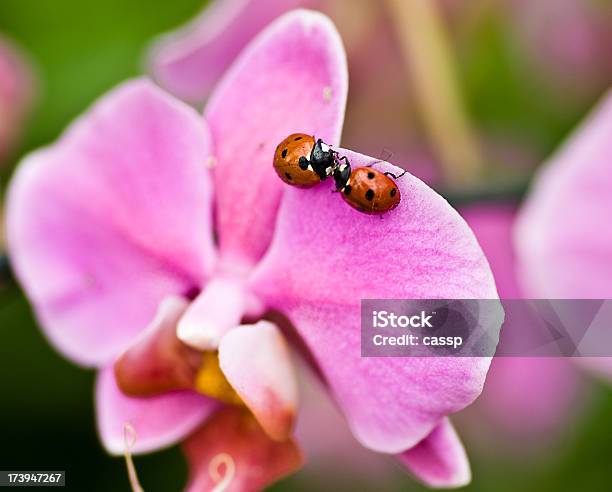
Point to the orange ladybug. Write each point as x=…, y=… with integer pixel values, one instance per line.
x=369, y=190
x=302, y=161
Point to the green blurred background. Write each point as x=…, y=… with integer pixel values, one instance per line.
x=81, y=49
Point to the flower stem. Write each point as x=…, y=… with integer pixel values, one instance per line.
x=428, y=53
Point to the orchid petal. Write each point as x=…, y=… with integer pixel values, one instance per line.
x=111, y=219
x=257, y=363
x=214, y=312
x=439, y=460
x=158, y=421
x=572, y=257
x=232, y=452
x=292, y=77
x=189, y=61
x=157, y=361
x=422, y=249
x=563, y=250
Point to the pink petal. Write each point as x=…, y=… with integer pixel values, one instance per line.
x=563, y=243
x=326, y=256
x=291, y=78
x=215, y=311
x=439, y=460
x=158, y=421
x=189, y=61
x=115, y=216
x=231, y=449
x=256, y=361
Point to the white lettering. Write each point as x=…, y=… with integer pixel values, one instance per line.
x=383, y=319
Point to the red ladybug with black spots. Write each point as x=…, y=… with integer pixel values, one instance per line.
x=302, y=161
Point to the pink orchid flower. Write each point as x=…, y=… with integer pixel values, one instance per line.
x=144, y=207
x=16, y=95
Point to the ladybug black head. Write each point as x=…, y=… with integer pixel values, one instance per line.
x=342, y=173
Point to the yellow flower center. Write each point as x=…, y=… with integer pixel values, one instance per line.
x=211, y=381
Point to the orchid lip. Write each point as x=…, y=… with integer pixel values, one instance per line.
x=252, y=368
x=158, y=361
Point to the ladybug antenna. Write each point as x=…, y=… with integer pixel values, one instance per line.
x=394, y=176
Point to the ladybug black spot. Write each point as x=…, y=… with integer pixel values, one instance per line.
x=288, y=176
x=370, y=175
x=393, y=192
x=347, y=190
x=370, y=195
x=303, y=163
x=284, y=153
x=297, y=138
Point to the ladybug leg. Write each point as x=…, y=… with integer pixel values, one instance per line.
x=394, y=176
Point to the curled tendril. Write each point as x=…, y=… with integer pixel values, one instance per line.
x=129, y=440
x=221, y=479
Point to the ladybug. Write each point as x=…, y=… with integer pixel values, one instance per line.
x=367, y=190
x=302, y=161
